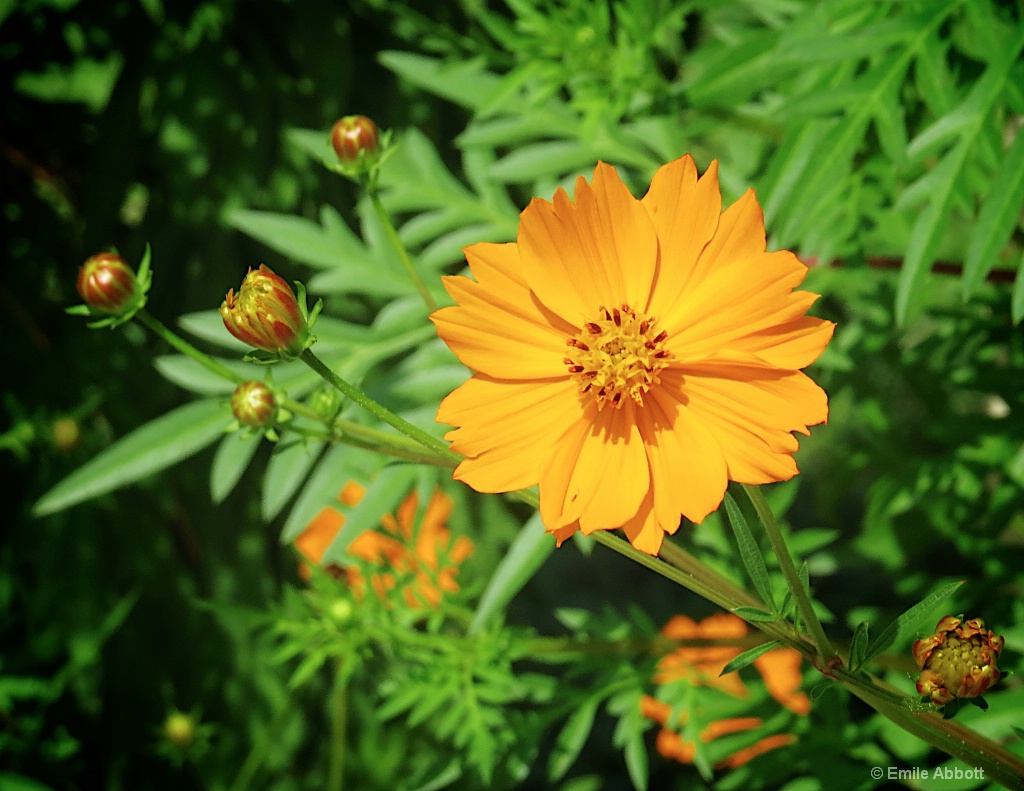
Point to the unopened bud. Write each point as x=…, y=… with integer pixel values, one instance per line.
x=265, y=313
x=106, y=283
x=355, y=137
x=179, y=729
x=253, y=404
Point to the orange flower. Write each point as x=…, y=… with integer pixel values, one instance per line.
x=419, y=562
x=632, y=356
x=701, y=666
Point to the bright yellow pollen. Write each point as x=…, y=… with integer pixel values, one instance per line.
x=618, y=354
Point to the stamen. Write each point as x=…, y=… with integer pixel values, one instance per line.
x=619, y=353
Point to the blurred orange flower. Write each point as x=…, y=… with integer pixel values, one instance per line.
x=418, y=562
x=701, y=665
x=631, y=357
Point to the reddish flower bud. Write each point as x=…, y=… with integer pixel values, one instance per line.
x=253, y=404
x=958, y=661
x=106, y=283
x=355, y=135
x=265, y=313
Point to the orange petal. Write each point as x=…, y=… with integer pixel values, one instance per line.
x=598, y=473
x=783, y=678
x=498, y=327
x=751, y=410
x=685, y=212
x=506, y=430
x=602, y=250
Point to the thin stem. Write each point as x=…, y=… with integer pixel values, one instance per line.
x=403, y=254
x=803, y=602
x=187, y=348
x=705, y=582
x=428, y=441
x=339, y=724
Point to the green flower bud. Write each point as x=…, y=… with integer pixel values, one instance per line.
x=253, y=404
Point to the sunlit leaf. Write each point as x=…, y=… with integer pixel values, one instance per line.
x=152, y=447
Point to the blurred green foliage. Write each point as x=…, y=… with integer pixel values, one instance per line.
x=881, y=136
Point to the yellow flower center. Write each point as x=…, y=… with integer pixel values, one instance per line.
x=956, y=657
x=617, y=354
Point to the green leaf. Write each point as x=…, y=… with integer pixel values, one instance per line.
x=467, y=83
x=321, y=487
x=524, y=557
x=231, y=460
x=754, y=614
x=750, y=553
x=548, y=160
x=570, y=740
x=286, y=471
x=858, y=646
x=928, y=231
x=13, y=782
x=1017, y=303
x=150, y=448
x=748, y=657
x=905, y=624
x=999, y=215
x=637, y=761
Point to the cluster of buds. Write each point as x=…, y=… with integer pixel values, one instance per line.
x=266, y=314
x=110, y=289
x=958, y=661
x=360, y=147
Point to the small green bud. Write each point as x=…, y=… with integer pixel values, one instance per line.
x=253, y=404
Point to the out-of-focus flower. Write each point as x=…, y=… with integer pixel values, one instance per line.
x=180, y=729
x=106, y=283
x=701, y=665
x=419, y=562
x=632, y=356
x=356, y=140
x=266, y=314
x=958, y=660
x=66, y=433
x=253, y=404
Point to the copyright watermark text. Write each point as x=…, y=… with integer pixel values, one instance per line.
x=917, y=773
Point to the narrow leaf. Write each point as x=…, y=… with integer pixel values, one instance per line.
x=998, y=217
x=231, y=460
x=1017, y=303
x=571, y=739
x=750, y=552
x=754, y=615
x=905, y=624
x=932, y=223
x=748, y=657
x=858, y=646
x=636, y=760
x=527, y=554
x=286, y=471
x=150, y=448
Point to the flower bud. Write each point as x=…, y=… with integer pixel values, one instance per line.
x=355, y=136
x=265, y=314
x=958, y=661
x=179, y=729
x=253, y=404
x=66, y=434
x=106, y=283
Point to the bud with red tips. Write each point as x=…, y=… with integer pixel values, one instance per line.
x=111, y=290
x=958, y=661
x=106, y=283
x=266, y=314
x=253, y=404
x=355, y=138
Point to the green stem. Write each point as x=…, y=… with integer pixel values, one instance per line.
x=705, y=582
x=826, y=652
x=1000, y=765
x=187, y=348
x=339, y=723
x=403, y=254
x=442, y=451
